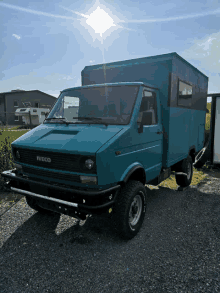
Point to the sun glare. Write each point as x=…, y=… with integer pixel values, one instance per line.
x=100, y=21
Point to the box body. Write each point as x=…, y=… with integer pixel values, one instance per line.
x=183, y=120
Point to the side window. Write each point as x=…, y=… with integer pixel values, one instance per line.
x=184, y=94
x=149, y=105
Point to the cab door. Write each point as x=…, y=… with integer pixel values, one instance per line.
x=151, y=139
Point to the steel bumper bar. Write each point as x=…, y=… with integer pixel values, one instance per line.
x=12, y=176
x=70, y=204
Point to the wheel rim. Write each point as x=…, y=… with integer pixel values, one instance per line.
x=135, y=211
x=188, y=171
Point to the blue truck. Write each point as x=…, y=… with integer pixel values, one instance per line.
x=131, y=123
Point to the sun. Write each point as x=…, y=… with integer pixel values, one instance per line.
x=100, y=21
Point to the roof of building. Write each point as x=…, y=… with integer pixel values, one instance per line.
x=23, y=91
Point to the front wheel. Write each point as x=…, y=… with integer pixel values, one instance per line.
x=129, y=210
x=186, y=166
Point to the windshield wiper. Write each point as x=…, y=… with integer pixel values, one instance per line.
x=61, y=118
x=91, y=118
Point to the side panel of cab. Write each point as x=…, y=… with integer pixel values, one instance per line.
x=129, y=148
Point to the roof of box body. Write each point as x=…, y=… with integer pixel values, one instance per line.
x=162, y=57
x=23, y=91
x=112, y=84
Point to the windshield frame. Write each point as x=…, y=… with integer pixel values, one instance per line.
x=79, y=121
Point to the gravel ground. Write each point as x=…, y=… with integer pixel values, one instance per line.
x=177, y=249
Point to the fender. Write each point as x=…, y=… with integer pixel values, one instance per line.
x=130, y=170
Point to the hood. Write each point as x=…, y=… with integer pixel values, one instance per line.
x=72, y=138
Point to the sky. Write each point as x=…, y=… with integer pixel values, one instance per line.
x=46, y=44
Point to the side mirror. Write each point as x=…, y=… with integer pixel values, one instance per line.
x=146, y=120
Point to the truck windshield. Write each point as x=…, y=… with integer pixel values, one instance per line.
x=102, y=105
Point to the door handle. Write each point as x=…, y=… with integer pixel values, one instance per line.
x=159, y=132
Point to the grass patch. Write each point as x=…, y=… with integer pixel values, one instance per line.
x=10, y=136
x=170, y=182
x=208, y=117
x=6, y=138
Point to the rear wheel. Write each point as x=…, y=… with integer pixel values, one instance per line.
x=129, y=210
x=186, y=166
x=33, y=204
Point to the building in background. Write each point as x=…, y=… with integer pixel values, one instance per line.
x=11, y=101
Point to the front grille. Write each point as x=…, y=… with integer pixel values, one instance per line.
x=54, y=175
x=59, y=161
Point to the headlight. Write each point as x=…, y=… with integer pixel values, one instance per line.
x=89, y=164
x=88, y=180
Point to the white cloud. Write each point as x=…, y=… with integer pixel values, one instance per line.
x=205, y=51
x=149, y=20
x=205, y=55
x=16, y=36
x=68, y=77
x=207, y=44
x=65, y=77
x=78, y=13
x=15, y=7
x=173, y=18
x=91, y=61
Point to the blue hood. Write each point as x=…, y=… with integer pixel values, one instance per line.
x=81, y=139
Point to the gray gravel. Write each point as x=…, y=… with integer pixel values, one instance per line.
x=177, y=249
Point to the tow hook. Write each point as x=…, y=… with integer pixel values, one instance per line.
x=7, y=185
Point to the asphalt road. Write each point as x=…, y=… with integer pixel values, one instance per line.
x=177, y=249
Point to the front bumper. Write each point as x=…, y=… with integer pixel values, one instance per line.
x=66, y=200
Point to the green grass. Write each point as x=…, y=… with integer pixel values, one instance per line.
x=6, y=138
x=208, y=117
x=10, y=135
x=170, y=182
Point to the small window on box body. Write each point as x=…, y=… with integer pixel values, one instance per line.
x=16, y=118
x=15, y=103
x=149, y=105
x=184, y=94
x=36, y=105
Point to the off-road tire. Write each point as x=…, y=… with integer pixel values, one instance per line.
x=132, y=193
x=31, y=202
x=186, y=166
